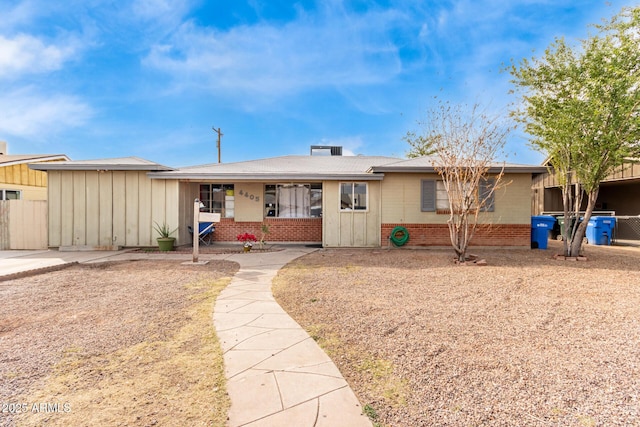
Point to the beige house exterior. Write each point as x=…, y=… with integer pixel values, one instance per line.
x=23, y=200
x=19, y=182
x=333, y=201
x=106, y=203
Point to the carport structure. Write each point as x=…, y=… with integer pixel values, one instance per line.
x=619, y=196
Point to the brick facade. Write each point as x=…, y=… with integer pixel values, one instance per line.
x=438, y=235
x=307, y=230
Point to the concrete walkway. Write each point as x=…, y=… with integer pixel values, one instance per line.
x=19, y=262
x=276, y=373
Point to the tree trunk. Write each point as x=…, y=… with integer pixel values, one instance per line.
x=576, y=242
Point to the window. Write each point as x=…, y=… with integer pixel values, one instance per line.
x=218, y=198
x=353, y=196
x=486, y=190
x=434, y=197
x=293, y=200
x=10, y=194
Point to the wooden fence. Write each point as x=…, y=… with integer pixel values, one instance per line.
x=23, y=224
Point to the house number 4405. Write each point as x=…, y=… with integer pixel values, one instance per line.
x=249, y=196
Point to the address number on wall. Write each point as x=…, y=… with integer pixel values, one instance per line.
x=249, y=195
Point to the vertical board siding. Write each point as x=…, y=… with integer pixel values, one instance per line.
x=144, y=211
x=158, y=214
x=119, y=208
x=67, y=209
x=23, y=224
x=55, y=213
x=92, y=209
x=28, y=229
x=106, y=208
x=132, y=219
x=4, y=225
x=79, y=203
x=171, y=207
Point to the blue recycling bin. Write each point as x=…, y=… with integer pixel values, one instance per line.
x=541, y=225
x=600, y=230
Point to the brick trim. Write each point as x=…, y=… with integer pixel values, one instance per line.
x=307, y=230
x=486, y=235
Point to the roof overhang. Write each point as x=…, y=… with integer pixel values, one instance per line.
x=100, y=167
x=423, y=169
x=123, y=164
x=18, y=160
x=265, y=177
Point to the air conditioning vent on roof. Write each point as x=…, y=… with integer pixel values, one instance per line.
x=326, y=150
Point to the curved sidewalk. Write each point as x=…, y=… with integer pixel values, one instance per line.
x=276, y=373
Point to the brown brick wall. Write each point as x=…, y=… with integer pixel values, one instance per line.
x=280, y=230
x=438, y=235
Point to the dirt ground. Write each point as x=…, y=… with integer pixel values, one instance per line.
x=526, y=340
x=71, y=322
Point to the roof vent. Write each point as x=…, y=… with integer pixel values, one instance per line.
x=3, y=148
x=326, y=150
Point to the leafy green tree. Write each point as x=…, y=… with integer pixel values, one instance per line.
x=420, y=145
x=581, y=105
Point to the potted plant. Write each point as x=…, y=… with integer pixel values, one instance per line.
x=165, y=241
x=247, y=241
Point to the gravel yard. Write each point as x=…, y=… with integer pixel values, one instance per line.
x=526, y=340
x=72, y=326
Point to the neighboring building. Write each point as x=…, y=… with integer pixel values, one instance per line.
x=18, y=181
x=619, y=195
x=336, y=201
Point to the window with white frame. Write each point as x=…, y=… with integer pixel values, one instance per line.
x=293, y=200
x=10, y=194
x=353, y=196
x=218, y=198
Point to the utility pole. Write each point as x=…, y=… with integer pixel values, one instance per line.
x=218, y=145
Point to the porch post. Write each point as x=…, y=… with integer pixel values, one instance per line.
x=196, y=229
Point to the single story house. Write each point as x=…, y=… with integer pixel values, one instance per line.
x=335, y=201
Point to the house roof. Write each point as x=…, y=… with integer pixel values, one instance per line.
x=17, y=159
x=284, y=168
x=427, y=164
x=117, y=164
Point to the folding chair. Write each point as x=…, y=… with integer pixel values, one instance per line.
x=205, y=233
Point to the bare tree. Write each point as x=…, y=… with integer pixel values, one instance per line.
x=466, y=142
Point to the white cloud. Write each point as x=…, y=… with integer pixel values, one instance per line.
x=25, y=54
x=30, y=115
x=333, y=48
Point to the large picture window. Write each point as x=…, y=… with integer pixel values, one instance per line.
x=353, y=196
x=293, y=200
x=218, y=198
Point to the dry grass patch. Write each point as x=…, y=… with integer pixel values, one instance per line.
x=527, y=340
x=145, y=353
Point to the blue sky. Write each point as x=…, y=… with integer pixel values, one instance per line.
x=150, y=78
